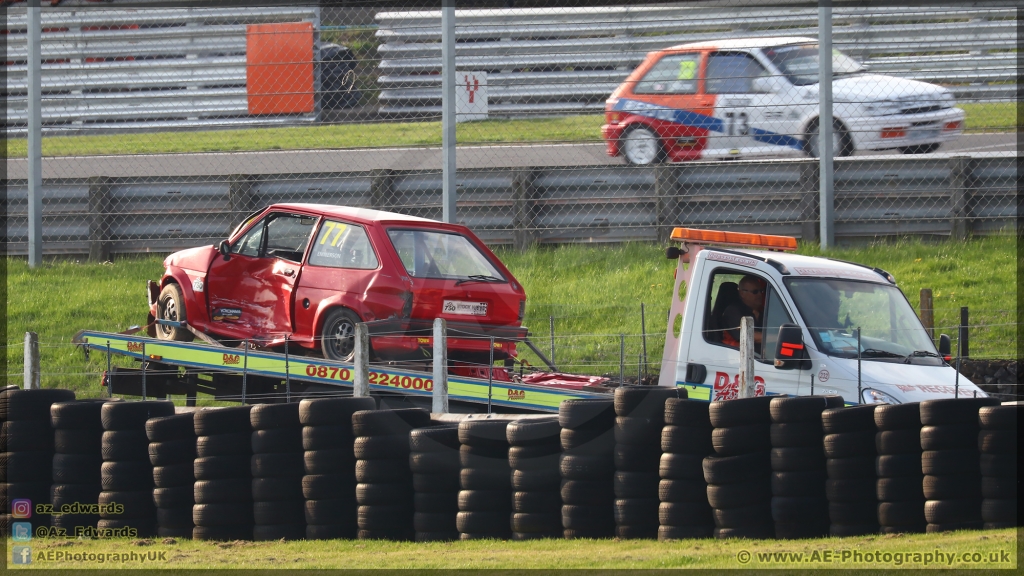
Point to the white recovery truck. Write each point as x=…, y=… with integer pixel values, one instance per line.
x=824, y=326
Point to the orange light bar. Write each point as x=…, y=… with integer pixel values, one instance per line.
x=695, y=236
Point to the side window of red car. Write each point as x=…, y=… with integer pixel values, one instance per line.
x=342, y=245
x=673, y=74
x=249, y=245
x=288, y=235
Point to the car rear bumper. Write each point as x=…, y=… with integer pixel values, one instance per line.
x=886, y=132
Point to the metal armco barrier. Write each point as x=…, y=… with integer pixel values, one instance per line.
x=568, y=60
x=938, y=194
x=152, y=67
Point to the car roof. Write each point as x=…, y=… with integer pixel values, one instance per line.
x=357, y=215
x=744, y=43
x=799, y=265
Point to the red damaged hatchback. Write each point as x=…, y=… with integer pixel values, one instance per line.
x=309, y=272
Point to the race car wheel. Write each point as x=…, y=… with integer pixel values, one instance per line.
x=338, y=336
x=641, y=147
x=171, y=306
x=842, y=144
x=921, y=148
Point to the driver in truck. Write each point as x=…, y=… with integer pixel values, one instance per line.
x=752, y=291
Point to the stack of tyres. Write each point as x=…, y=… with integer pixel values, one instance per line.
x=26, y=452
x=850, y=452
x=586, y=468
x=739, y=474
x=685, y=442
x=485, y=501
x=799, y=506
x=77, y=458
x=278, y=507
x=951, y=463
x=329, y=485
x=997, y=442
x=223, y=488
x=384, y=491
x=899, y=480
x=172, y=452
x=126, y=475
x=639, y=419
x=534, y=445
x=434, y=462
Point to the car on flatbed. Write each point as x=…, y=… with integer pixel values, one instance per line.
x=759, y=97
x=306, y=274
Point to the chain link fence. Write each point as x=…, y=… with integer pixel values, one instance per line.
x=163, y=126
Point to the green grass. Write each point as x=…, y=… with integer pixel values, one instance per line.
x=995, y=117
x=593, y=292
x=998, y=545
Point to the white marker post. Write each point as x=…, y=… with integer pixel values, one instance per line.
x=746, y=357
x=439, y=397
x=31, y=361
x=361, y=377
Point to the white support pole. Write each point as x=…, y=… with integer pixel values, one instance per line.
x=439, y=397
x=448, y=191
x=825, y=151
x=31, y=361
x=747, y=357
x=35, y=143
x=361, y=377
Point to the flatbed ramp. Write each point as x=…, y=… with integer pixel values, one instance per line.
x=189, y=361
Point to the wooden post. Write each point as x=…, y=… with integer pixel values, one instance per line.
x=960, y=184
x=666, y=193
x=523, y=197
x=32, y=378
x=809, y=200
x=747, y=357
x=100, y=207
x=382, y=188
x=361, y=377
x=928, y=312
x=439, y=395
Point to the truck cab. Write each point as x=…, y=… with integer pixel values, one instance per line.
x=847, y=328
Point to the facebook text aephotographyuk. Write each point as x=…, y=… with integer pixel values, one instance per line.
x=100, y=557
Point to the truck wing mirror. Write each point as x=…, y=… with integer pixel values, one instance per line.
x=672, y=252
x=945, y=347
x=225, y=249
x=790, y=353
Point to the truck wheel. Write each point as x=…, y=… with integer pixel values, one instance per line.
x=171, y=306
x=338, y=335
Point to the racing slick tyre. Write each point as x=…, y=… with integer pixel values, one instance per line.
x=133, y=415
x=338, y=335
x=586, y=414
x=275, y=416
x=852, y=419
x=171, y=306
x=641, y=146
x=215, y=421
x=529, y=433
x=333, y=411
x=802, y=408
x=954, y=410
x=82, y=414
x=898, y=416
x=740, y=412
x=842, y=144
x=176, y=427
x=645, y=401
x=17, y=404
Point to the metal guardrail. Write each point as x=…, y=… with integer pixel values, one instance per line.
x=939, y=194
x=175, y=66
x=589, y=51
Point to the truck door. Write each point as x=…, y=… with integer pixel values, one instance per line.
x=731, y=294
x=251, y=294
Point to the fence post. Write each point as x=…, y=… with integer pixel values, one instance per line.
x=361, y=376
x=241, y=199
x=746, y=357
x=809, y=200
x=666, y=192
x=439, y=395
x=523, y=196
x=960, y=187
x=825, y=151
x=100, y=207
x=31, y=361
x=449, y=191
x=928, y=312
x=35, y=136
x=382, y=188
x=965, y=340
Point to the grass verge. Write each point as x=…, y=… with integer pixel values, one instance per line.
x=991, y=117
x=591, y=293
x=993, y=549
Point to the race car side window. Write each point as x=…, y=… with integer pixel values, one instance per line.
x=732, y=73
x=673, y=74
x=287, y=235
x=249, y=245
x=342, y=245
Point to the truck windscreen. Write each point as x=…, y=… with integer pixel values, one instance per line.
x=834, y=309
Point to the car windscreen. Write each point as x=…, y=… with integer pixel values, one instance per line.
x=438, y=254
x=834, y=309
x=800, y=63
